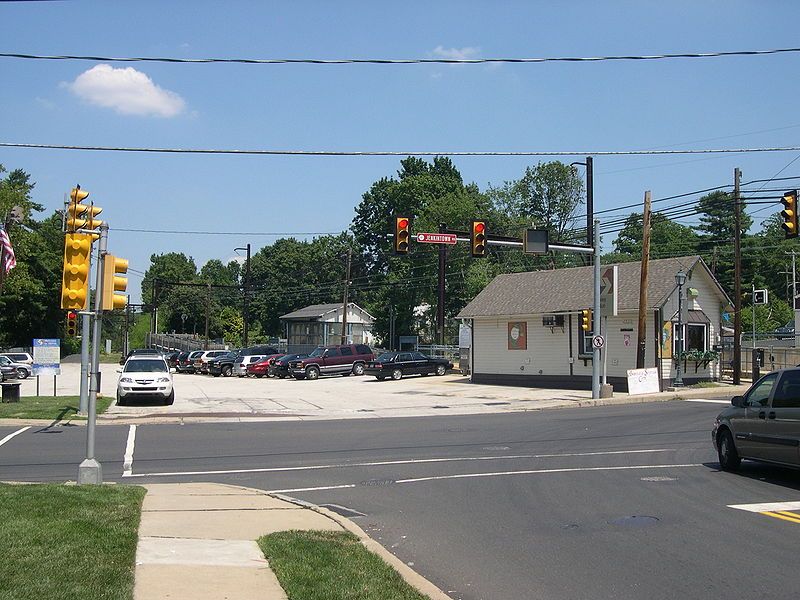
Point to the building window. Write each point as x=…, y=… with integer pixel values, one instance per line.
x=694, y=337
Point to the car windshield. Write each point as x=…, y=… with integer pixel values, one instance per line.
x=145, y=366
x=386, y=357
x=317, y=352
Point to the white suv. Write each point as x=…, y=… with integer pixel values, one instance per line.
x=145, y=376
x=18, y=357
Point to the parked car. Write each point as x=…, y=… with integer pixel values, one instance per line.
x=181, y=358
x=201, y=362
x=172, y=359
x=280, y=367
x=785, y=332
x=7, y=372
x=223, y=364
x=399, y=364
x=23, y=370
x=141, y=352
x=333, y=360
x=143, y=377
x=186, y=365
x=763, y=424
x=261, y=368
x=18, y=357
x=249, y=356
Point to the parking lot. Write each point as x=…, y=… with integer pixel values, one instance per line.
x=326, y=398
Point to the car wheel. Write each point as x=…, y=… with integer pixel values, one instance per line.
x=259, y=375
x=170, y=399
x=358, y=369
x=440, y=370
x=397, y=374
x=281, y=376
x=729, y=459
x=380, y=377
x=226, y=371
x=22, y=373
x=312, y=373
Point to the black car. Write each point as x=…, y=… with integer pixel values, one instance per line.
x=223, y=365
x=785, y=332
x=280, y=368
x=172, y=359
x=397, y=364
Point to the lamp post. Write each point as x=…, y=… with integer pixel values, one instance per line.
x=245, y=285
x=680, y=279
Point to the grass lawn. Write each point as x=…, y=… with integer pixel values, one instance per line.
x=68, y=542
x=52, y=408
x=325, y=565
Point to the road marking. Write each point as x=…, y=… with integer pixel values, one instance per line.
x=127, y=463
x=706, y=401
x=786, y=516
x=497, y=474
x=392, y=462
x=767, y=506
x=12, y=435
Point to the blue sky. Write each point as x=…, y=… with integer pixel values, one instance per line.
x=675, y=104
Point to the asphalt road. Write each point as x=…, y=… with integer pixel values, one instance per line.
x=611, y=502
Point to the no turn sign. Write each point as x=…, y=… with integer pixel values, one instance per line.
x=598, y=341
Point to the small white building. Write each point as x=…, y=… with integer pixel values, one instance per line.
x=526, y=327
x=321, y=324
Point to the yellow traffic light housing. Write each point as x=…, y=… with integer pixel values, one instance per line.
x=82, y=216
x=77, y=195
x=478, y=239
x=402, y=235
x=75, y=279
x=789, y=214
x=586, y=320
x=72, y=324
x=113, y=284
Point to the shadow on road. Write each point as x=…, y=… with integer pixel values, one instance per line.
x=775, y=475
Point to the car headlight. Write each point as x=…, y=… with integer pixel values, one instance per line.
x=125, y=380
x=163, y=380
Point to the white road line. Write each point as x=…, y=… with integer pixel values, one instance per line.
x=767, y=506
x=498, y=474
x=127, y=463
x=393, y=462
x=12, y=435
x=706, y=401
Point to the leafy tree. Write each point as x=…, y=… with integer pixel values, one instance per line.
x=667, y=238
x=169, y=267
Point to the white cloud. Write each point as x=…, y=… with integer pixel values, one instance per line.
x=127, y=91
x=465, y=53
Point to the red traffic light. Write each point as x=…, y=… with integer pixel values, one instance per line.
x=72, y=315
x=402, y=223
x=479, y=227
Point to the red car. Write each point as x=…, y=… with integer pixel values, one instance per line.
x=261, y=368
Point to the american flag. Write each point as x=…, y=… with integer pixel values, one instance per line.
x=9, y=260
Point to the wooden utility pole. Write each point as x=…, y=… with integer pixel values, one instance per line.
x=641, y=338
x=441, y=288
x=344, y=300
x=208, y=310
x=737, y=280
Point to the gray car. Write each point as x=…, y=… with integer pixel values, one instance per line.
x=762, y=425
x=23, y=370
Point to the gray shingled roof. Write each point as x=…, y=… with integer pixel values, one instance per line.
x=570, y=290
x=313, y=311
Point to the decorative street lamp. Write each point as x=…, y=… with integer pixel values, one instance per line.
x=680, y=279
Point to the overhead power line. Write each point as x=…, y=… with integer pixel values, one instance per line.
x=400, y=152
x=397, y=61
x=235, y=233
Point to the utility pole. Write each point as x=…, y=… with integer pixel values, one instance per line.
x=641, y=335
x=344, y=299
x=246, y=286
x=208, y=310
x=596, y=313
x=391, y=327
x=794, y=297
x=86, y=326
x=737, y=287
x=127, y=326
x=589, y=200
x=440, y=301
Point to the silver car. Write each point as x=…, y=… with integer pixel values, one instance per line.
x=24, y=370
x=762, y=425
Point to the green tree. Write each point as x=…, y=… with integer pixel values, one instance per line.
x=667, y=238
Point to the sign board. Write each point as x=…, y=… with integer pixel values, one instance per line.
x=760, y=297
x=437, y=238
x=537, y=241
x=464, y=336
x=46, y=357
x=643, y=381
x=609, y=277
x=598, y=341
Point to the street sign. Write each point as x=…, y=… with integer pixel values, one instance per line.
x=760, y=297
x=46, y=356
x=437, y=238
x=608, y=291
x=598, y=341
x=536, y=241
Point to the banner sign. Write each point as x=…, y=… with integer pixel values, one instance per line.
x=46, y=357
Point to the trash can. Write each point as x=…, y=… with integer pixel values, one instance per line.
x=11, y=392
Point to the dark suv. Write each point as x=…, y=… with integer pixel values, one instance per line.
x=332, y=360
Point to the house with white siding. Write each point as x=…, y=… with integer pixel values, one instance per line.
x=321, y=324
x=526, y=327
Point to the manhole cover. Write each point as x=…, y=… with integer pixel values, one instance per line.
x=635, y=521
x=377, y=482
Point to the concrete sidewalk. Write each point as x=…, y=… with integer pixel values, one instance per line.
x=197, y=541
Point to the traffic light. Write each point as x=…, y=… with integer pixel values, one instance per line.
x=72, y=323
x=789, y=213
x=75, y=280
x=586, y=320
x=113, y=284
x=81, y=216
x=402, y=235
x=478, y=238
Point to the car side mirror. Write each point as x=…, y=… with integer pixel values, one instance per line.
x=118, y=370
x=737, y=401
